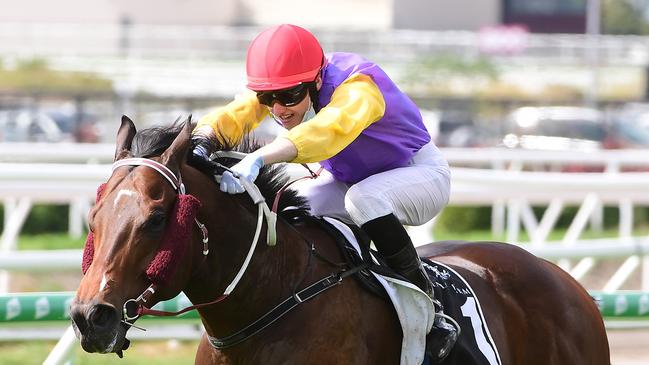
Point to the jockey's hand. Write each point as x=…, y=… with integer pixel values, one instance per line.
x=200, y=147
x=201, y=152
x=248, y=169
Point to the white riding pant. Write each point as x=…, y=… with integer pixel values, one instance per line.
x=414, y=193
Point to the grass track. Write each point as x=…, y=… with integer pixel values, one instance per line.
x=140, y=353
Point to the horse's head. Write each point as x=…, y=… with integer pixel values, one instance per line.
x=140, y=230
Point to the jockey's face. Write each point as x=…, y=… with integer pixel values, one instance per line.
x=291, y=116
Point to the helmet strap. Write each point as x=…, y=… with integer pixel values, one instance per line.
x=313, y=95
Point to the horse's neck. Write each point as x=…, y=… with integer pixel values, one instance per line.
x=271, y=275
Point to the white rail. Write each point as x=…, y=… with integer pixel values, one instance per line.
x=56, y=152
x=500, y=158
x=52, y=260
x=484, y=157
x=41, y=261
x=511, y=193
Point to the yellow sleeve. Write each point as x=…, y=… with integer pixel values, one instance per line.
x=237, y=118
x=354, y=105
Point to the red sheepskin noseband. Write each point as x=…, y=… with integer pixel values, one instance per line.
x=174, y=244
x=89, y=248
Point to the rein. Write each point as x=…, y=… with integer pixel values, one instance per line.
x=312, y=175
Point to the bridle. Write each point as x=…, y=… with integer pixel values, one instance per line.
x=134, y=308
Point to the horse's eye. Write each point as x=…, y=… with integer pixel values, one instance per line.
x=156, y=222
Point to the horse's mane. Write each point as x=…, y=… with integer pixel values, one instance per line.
x=154, y=141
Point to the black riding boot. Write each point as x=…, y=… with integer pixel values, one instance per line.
x=392, y=241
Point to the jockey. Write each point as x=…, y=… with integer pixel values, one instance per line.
x=343, y=111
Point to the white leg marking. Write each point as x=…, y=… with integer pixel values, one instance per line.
x=123, y=192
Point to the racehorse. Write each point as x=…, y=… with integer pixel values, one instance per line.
x=537, y=314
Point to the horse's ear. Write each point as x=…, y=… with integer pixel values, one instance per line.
x=125, y=136
x=177, y=152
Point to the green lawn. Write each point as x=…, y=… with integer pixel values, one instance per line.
x=35, y=75
x=49, y=241
x=140, y=353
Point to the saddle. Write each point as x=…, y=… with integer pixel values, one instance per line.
x=475, y=346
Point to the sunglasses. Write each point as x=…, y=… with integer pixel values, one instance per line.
x=286, y=97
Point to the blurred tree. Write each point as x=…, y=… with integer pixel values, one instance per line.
x=32, y=65
x=449, y=75
x=35, y=75
x=624, y=17
x=447, y=67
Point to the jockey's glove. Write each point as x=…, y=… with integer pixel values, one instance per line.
x=248, y=168
x=201, y=149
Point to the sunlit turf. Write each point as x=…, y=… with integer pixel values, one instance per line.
x=140, y=353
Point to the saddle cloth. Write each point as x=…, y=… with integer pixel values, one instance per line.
x=474, y=345
x=416, y=312
x=415, y=309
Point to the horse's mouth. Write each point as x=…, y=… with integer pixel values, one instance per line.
x=103, y=342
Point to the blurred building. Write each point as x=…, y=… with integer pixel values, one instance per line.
x=546, y=16
x=329, y=13
x=200, y=12
x=445, y=15
x=542, y=16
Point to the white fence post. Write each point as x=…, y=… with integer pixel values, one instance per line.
x=61, y=353
x=17, y=211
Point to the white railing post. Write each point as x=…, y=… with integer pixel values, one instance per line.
x=626, y=217
x=513, y=220
x=14, y=221
x=578, y=224
x=645, y=273
x=78, y=211
x=498, y=211
x=549, y=219
x=60, y=355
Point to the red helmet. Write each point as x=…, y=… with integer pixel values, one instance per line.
x=282, y=57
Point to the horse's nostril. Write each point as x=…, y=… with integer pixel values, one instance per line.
x=102, y=316
x=79, y=319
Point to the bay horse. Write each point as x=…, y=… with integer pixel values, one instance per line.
x=537, y=314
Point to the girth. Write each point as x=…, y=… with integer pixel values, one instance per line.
x=351, y=257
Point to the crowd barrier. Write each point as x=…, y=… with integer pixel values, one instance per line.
x=39, y=307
